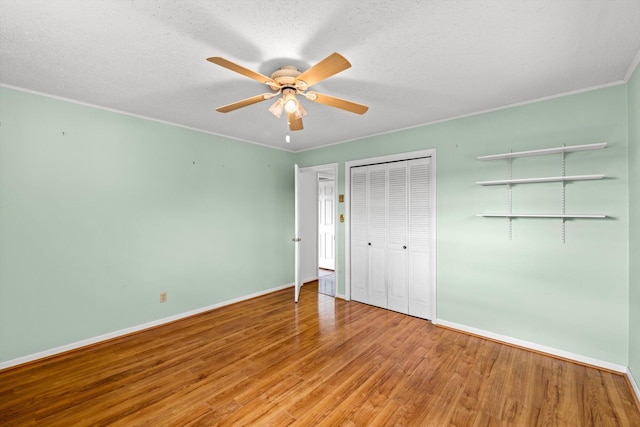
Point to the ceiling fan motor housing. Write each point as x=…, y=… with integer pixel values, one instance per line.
x=285, y=77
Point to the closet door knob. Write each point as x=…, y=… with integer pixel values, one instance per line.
x=404, y=247
x=369, y=243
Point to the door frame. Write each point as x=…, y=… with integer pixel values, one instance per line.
x=347, y=223
x=316, y=169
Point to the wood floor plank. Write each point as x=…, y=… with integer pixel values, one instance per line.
x=323, y=361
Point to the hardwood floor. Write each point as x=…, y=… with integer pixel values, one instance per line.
x=268, y=361
x=326, y=282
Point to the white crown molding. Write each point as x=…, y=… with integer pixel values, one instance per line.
x=504, y=107
x=596, y=363
x=138, y=328
x=475, y=113
x=137, y=116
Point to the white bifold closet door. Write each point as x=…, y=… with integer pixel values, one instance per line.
x=359, y=235
x=397, y=225
x=421, y=240
x=377, y=235
x=390, y=236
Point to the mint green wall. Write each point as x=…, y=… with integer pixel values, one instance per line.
x=100, y=212
x=571, y=296
x=634, y=223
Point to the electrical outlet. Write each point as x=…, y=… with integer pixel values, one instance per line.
x=163, y=297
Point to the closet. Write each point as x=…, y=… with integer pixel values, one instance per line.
x=392, y=240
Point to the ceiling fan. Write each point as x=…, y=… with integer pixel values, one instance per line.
x=287, y=82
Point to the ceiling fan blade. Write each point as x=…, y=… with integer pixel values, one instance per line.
x=332, y=64
x=332, y=101
x=244, y=102
x=294, y=123
x=240, y=69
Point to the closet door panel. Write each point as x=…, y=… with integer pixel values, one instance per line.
x=398, y=298
x=359, y=241
x=421, y=298
x=420, y=239
x=377, y=234
x=359, y=274
x=397, y=281
x=377, y=276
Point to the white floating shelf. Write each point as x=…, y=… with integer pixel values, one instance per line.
x=567, y=216
x=544, y=179
x=545, y=151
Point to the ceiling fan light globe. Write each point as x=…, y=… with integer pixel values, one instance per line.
x=291, y=105
x=277, y=108
x=300, y=112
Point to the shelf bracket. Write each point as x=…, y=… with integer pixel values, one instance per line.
x=562, y=195
x=510, y=177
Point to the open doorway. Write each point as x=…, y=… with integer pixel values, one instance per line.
x=326, y=232
x=318, y=252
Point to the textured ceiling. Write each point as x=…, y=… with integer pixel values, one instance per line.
x=413, y=62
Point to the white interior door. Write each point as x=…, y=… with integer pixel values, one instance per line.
x=296, y=233
x=326, y=225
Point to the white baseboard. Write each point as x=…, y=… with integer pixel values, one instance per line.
x=137, y=328
x=535, y=347
x=634, y=384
